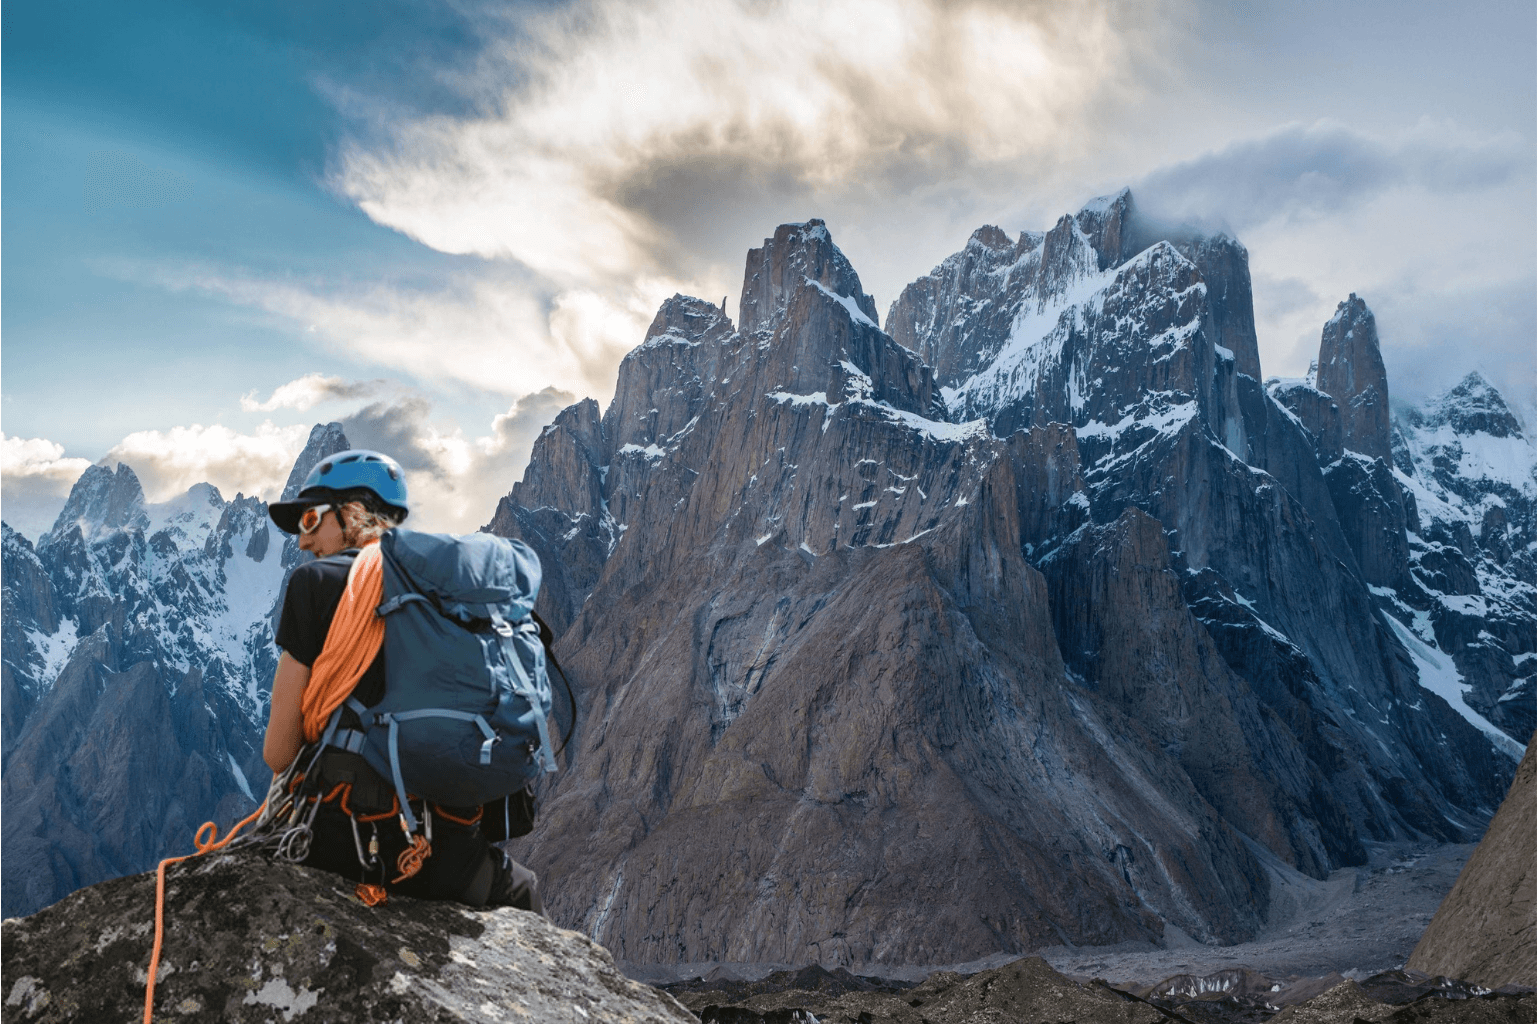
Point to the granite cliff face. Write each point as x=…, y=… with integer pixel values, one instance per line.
x=138, y=656
x=1486, y=929
x=1025, y=623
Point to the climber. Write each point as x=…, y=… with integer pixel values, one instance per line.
x=347, y=502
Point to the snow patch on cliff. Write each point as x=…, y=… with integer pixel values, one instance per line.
x=1440, y=676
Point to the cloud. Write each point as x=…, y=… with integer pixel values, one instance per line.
x=35, y=478
x=170, y=461
x=496, y=332
x=1309, y=172
x=455, y=481
x=309, y=391
x=605, y=124
x=1439, y=337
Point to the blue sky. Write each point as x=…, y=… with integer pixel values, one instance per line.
x=439, y=222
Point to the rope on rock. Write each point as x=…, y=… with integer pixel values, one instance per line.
x=204, y=845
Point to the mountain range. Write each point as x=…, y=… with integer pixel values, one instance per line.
x=1034, y=616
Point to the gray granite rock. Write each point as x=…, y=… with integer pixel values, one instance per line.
x=1350, y=371
x=250, y=939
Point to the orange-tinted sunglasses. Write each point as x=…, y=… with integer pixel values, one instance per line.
x=309, y=521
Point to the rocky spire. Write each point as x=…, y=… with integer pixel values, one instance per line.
x=796, y=252
x=1350, y=371
x=325, y=439
x=102, y=500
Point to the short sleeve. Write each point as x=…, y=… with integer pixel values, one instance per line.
x=303, y=625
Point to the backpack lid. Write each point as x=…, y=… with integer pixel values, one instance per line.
x=478, y=569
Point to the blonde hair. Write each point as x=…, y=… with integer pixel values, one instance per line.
x=361, y=525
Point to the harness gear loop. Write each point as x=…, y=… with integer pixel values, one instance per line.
x=352, y=643
x=208, y=845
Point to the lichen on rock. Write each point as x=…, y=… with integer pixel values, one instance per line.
x=250, y=939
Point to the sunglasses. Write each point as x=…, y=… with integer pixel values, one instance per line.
x=309, y=522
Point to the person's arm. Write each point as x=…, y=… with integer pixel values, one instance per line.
x=285, y=721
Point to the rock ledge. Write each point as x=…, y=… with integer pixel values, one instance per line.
x=248, y=939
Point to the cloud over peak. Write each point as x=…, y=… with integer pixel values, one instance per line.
x=1309, y=171
x=589, y=107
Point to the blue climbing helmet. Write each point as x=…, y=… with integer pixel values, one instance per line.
x=348, y=476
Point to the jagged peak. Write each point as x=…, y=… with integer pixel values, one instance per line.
x=103, y=500
x=1353, y=309
x=1473, y=406
x=990, y=236
x=1106, y=203
x=325, y=439
x=794, y=254
x=684, y=319
x=14, y=538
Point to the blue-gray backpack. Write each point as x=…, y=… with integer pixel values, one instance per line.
x=465, y=715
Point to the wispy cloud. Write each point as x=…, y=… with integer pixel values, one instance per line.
x=495, y=333
x=1306, y=172
x=310, y=390
x=605, y=119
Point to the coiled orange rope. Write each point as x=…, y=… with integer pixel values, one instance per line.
x=351, y=645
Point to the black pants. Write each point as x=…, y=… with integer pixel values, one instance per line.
x=463, y=866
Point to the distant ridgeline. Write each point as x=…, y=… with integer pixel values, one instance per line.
x=1037, y=617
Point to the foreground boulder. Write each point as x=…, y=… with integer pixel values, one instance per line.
x=1486, y=928
x=248, y=939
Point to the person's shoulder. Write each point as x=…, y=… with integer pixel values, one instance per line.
x=323, y=570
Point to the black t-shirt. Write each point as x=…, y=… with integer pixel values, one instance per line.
x=314, y=591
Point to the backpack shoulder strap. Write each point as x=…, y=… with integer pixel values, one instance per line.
x=547, y=639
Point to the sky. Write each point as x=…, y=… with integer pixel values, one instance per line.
x=439, y=223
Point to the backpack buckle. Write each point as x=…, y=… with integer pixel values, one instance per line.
x=502, y=626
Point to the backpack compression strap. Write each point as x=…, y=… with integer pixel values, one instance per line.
x=352, y=642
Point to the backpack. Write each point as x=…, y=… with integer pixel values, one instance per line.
x=465, y=714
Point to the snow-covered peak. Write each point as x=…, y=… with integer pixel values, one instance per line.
x=1466, y=442
x=685, y=320
x=990, y=236
x=1105, y=203
x=1473, y=406
x=189, y=517
x=102, y=501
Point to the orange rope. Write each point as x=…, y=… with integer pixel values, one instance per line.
x=208, y=845
x=372, y=895
x=351, y=645
x=411, y=858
